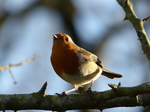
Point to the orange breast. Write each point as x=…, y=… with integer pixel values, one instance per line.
x=64, y=60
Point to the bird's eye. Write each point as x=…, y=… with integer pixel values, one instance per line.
x=67, y=39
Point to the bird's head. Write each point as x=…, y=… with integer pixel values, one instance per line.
x=64, y=40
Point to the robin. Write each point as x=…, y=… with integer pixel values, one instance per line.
x=75, y=64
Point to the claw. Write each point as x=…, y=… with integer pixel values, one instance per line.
x=89, y=92
x=62, y=94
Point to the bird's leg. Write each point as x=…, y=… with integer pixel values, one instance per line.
x=89, y=89
x=65, y=92
x=75, y=88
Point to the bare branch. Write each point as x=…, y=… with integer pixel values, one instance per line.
x=8, y=67
x=120, y=97
x=146, y=19
x=138, y=24
x=19, y=64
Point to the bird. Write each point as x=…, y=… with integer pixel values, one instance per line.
x=76, y=65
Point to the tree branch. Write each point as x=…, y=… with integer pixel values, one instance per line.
x=18, y=64
x=116, y=97
x=8, y=67
x=138, y=24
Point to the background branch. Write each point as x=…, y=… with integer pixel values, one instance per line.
x=8, y=67
x=18, y=64
x=138, y=24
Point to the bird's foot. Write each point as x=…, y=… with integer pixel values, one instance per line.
x=89, y=92
x=62, y=94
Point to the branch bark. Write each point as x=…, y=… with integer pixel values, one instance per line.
x=116, y=97
x=138, y=25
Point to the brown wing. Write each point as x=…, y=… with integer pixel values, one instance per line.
x=86, y=55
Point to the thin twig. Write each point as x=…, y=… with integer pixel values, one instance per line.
x=19, y=64
x=146, y=19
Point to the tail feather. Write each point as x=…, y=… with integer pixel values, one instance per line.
x=110, y=74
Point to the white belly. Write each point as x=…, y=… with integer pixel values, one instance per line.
x=87, y=73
